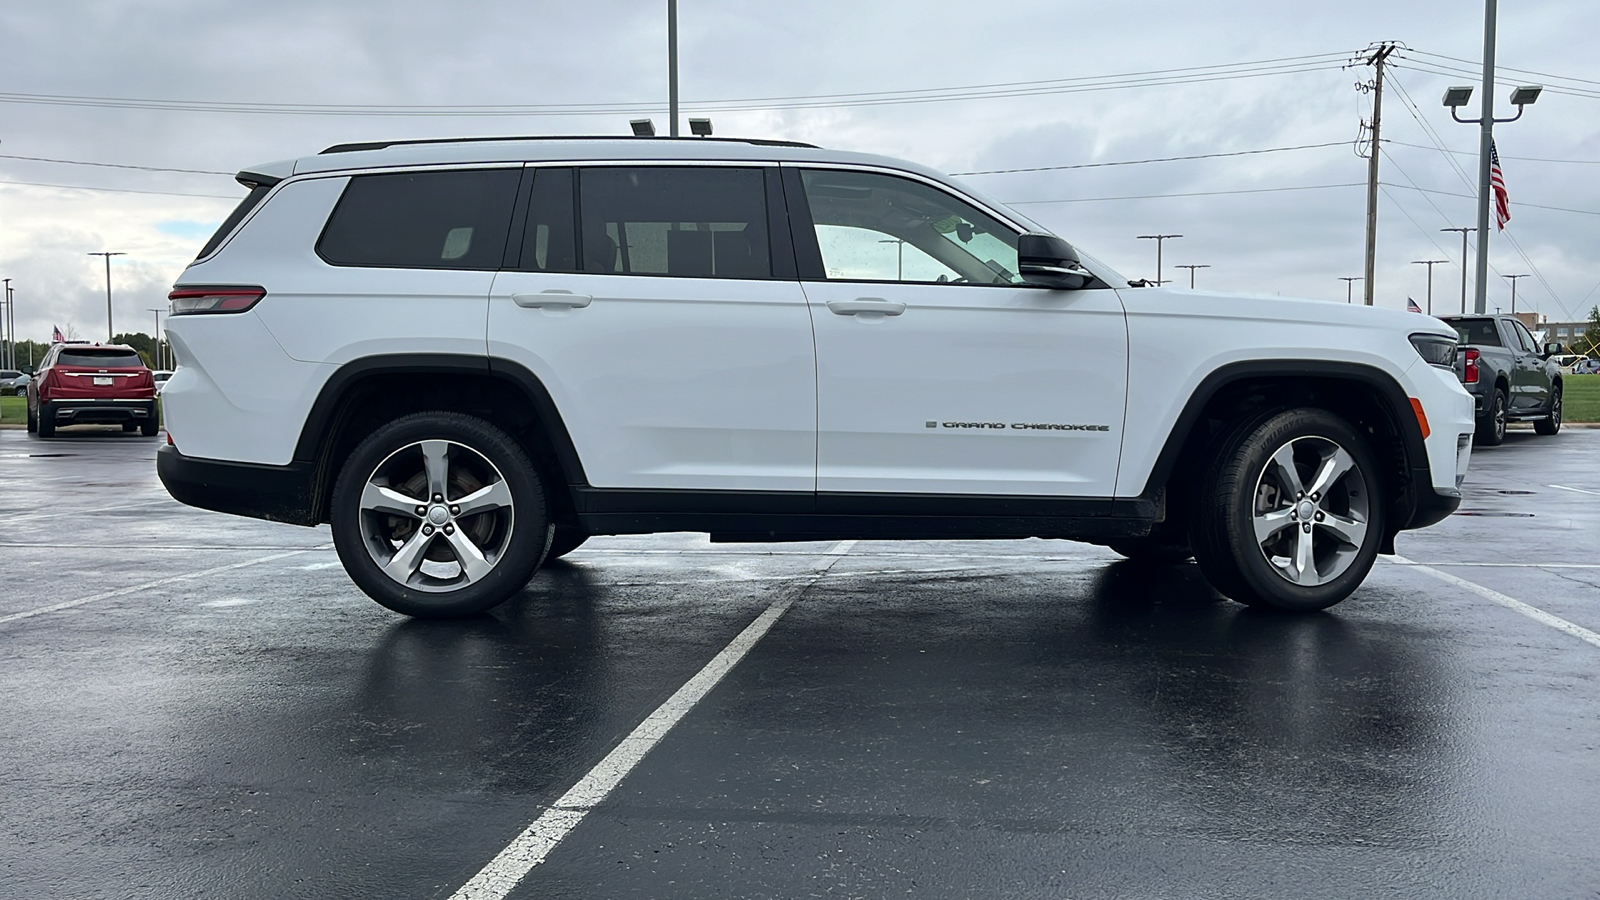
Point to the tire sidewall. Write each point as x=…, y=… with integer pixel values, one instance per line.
x=1258, y=574
x=530, y=526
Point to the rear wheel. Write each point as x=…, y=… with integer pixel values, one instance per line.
x=438, y=515
x=1289, y=514
x=150, y=426
x=130, y=426
x=47, y=422
x=1551, y=423
x=33, y=421
x=1492, y=427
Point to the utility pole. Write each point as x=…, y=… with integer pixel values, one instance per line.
x=1191, y=273
x=108, y=255
x=1349, y=282
x=672, y=65
x=1375, y=59
x=1513, y=280
x=159, y=358
x=1159, y=239
x=1464, y=233
x=1430, y=263
x=6, y=353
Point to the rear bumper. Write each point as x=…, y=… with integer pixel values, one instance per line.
x=276, y=493
x=94, y=411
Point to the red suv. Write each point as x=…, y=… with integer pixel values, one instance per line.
x=92, y=383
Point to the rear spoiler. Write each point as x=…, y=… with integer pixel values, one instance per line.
x=253, y=180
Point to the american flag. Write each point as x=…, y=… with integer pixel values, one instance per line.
x=1497, y=183
x=1411, y=306
x=56, y=336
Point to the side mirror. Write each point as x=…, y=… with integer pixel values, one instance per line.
x=1552, y=349
x=1048, y=261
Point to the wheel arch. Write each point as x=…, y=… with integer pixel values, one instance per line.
x=1367, y=397
x=365, y=393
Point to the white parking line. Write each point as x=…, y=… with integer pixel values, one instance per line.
x=1511, y=603
x=1562, y=487
x=35, y=517
x=530, y=848
x=68, y=604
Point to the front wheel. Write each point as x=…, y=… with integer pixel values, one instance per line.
x=438, y=515
x=1290, y=514
x=1551, y=423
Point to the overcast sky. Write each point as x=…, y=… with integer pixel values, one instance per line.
x=230, y=56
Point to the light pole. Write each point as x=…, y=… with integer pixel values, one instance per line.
x=672, y=65
x=1191, y=272
x=108, y=254
x=1513, y=280
x=1349, y=282
x=6, y=354
x=157, y=311
x=899, y=257
x=1464, y=233
x=1430, y=263
x=1457, y=97
x=1159, y=239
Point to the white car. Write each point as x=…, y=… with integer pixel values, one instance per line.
x=468, y=356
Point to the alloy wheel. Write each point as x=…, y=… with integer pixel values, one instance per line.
x=1311, y=510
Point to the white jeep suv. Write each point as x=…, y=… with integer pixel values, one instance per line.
x=470, y=355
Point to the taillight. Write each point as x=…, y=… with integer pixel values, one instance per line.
x=1470, y=376
x=213, y=298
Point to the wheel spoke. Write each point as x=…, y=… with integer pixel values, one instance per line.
x=1270, y=523
x=436, y=460
x=1333, y=467
x=492, y=496
x=1349, y=530
x=1288, y=475
x=1304, y=566
x=473, y=563
x=380, y=499
x=408, y=559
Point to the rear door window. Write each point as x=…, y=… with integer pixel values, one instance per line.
x=688, y=221
x=1477, y=332
x=422, y=220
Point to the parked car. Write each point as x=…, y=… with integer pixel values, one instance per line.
x=12, y=381
x=161, y=376
x=80, y=383
x=1586, y=366
x=1511, y=378
x=469, y=355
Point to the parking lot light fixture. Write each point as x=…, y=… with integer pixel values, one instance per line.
x=1159, y=239
x=642, y=127
x=700, y=127
x=108, y=254
x=1349, y=282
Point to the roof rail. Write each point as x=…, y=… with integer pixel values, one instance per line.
x=381, y=145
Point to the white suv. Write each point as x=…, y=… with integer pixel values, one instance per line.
x=468, y=356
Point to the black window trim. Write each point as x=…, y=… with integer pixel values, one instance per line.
x=808, y=253
x=350, y=175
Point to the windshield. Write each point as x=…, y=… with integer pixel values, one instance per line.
x=100, y=358
x=1479, y=332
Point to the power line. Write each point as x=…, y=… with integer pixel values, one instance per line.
x=1499, y=68
x=1583, y=162
x=1302, y=187
x=84, y=187
x=1135, y=162
x=1152, y=78
x=79, y=162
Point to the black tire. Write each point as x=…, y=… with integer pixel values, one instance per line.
x=1550, y=424
x=1247, y=486
x=150, y=426
x=471, y=457
x=33, y=421
x=47, y=422
x=565, y=541
x=1161, y=550
x=130, y=427
x=1492, y=427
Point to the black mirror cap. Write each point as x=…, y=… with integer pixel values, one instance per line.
x=1553, y=349
x=1048, y=261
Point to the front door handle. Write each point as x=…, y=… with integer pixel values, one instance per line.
x=869, y=306
x=552, y=300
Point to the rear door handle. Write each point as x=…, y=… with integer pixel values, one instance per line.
x=552, y=300
x=869, y=306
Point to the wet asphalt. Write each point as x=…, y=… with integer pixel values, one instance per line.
x=225, y=715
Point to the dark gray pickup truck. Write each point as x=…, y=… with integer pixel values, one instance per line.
x=1510, y=377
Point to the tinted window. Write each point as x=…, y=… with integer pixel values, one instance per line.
x=550, y=243
x=1528, y=343
x=1478, y=332
x=99, y=358
x=256, y=195
x=874, y=227
x=422, y=220
x=696, y=222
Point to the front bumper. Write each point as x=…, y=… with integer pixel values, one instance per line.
x=276, y=493
x=98, y=412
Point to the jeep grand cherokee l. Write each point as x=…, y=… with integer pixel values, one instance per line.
x=468, y=356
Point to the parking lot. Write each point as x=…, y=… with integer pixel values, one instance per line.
x=196, y=705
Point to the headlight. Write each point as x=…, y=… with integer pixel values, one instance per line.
x=1435, y=349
